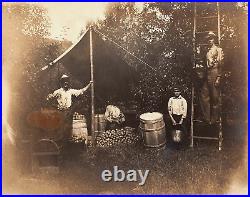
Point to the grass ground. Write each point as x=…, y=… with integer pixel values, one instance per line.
x=201, y=170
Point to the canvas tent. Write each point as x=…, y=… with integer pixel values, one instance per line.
x=111, y=74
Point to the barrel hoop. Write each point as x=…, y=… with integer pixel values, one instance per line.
x=149, y=130
x=154, y=146
x=152, y=121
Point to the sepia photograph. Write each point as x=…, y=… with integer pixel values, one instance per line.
x=133, y=98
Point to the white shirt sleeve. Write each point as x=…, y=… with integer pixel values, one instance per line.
x=108, y=113
x=184, y=108
x=170, y=106
x=54, y=94
x=78, y=92
x=220, y=55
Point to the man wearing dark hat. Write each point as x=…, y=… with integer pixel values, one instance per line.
x=209, y=92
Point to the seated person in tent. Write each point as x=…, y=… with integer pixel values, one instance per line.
x=114, y=116
x=64, y=99
x=177, y=109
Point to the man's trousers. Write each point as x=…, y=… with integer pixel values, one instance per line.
x=209, y=96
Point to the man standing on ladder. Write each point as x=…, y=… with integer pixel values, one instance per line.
x=210, y=91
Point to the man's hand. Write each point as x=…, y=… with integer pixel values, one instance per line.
x=217, y=82
x=173, y=121
x=91, y=82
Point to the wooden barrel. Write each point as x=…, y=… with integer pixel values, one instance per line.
x=79, y=123
x=152, y=128
x=79, y=128
x=100, y=122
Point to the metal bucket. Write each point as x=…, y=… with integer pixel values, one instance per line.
x=153, y=130
x=177, y=133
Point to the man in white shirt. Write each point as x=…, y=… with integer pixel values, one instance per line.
x=209, y=93
x=114, y=116
x=208, y=69
x=64, y=94
x=177, y=108
x=64, y=101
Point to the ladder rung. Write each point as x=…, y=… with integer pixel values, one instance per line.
x=206, y=17
x=46, y=153
x=25, y=141
x=202, y=44
x=198, y=120
x=202, y=32
x=206, y=138
x=205, y=3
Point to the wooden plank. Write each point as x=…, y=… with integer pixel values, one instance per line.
x=206, y=138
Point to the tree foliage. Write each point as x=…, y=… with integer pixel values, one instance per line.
x=26, y=49
x=161, y=35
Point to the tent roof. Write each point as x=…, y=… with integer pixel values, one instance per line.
x=112, y=75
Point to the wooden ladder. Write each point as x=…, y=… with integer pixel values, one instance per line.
x=206, y=19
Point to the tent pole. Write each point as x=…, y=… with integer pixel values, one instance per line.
x=92, y=88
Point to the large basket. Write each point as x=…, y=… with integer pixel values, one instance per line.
x=50, y=124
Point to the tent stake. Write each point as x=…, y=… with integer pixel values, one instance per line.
x=92, y=88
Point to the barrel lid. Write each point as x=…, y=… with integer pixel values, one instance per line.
x=151, y=116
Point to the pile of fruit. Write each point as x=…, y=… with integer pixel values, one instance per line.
x=78, y=139
x=116, y=137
